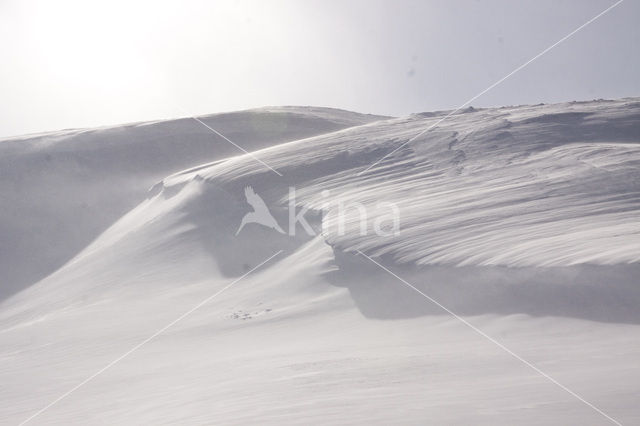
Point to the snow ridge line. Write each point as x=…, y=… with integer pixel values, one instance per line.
x=494, y=85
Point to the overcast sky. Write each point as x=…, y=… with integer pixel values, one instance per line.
x=82, y=63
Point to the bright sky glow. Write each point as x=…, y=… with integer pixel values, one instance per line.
x=81, y=63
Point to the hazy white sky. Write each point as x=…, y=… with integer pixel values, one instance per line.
x=83, y=63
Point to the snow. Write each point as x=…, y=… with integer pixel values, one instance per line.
x=523, y=220
x=60, y=190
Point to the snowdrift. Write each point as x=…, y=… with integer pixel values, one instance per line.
x=60, y=190
x=524, y=218
x=526, y=186
x=511, y=210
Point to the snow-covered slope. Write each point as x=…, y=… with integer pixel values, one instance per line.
x=527, y=186
x=525, y=220
x=60, y=190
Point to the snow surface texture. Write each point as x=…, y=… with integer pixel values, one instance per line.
x=61, y=190
x=524, y=220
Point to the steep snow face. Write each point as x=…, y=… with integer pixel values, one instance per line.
x=548, y=185
x=60, y=190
